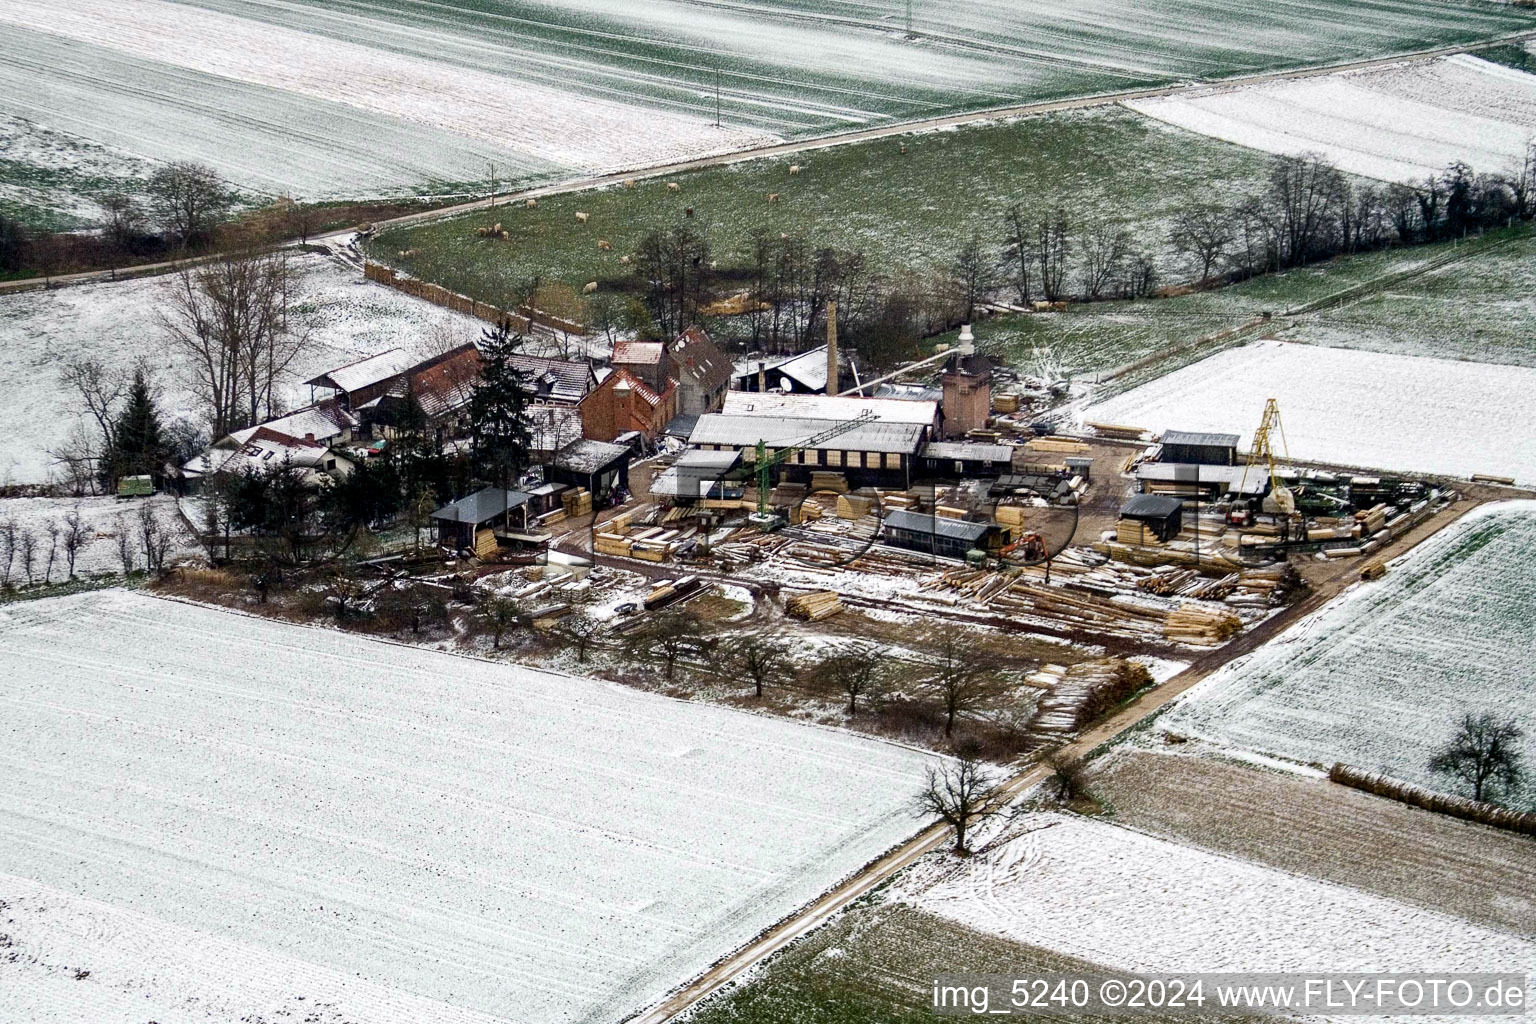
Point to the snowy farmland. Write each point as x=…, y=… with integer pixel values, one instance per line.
x=1379, y=678
x=1353, y=408
x=116, y=323
x=219, y=816
x=1129, y=901
x=1400, y=124
x=379, y=96
x=104, y=519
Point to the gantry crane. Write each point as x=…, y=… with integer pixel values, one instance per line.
x=766, y=462
x=1262, y=455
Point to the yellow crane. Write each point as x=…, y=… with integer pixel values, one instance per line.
x=1262, y=454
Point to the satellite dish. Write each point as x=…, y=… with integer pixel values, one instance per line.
x=786, y=385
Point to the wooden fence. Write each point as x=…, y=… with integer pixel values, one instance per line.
x=1440, y=803
x=522, y=321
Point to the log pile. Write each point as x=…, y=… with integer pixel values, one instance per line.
x=1201, y=625
x=1080, y=696
x=1441, y=803
x=1262, y=587
x=814, y=606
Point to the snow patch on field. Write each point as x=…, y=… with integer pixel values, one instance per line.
x=1128, y=901
x=116, y=323
x=1379, y=678
x=1370, y=409
x=520, y=844
x=549, y=125
x=1400, y=123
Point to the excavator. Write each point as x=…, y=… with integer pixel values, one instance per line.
x=1030, y=547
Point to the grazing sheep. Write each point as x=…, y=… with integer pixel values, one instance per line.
x=903, y=147
x=773, y=197
x=483, y=232
x=629, y=182
x=581, y=218
x=673, y=186
x=783, y=237
x=603, y=245
x=624, y=260
x=533, y=204
x=794, y=168
x=503, y=235
x=497, y=229
x=590, y=289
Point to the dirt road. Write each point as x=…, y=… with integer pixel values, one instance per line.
x=827, y=141
x=1328, y=582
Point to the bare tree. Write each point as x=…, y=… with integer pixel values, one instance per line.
x=125, y=547
x=1485, y=755
x=8, y=538
x=579, y=630
x=1021, y=251
x=974, y=272
x=668, y=637
x=761, y=657
x=125, y=220
x=1053, y=247
x=1104, y=249
x=956, y=793
x=155, y=539
x=1205, y=235
x=857, y=671
x=26, y=543
x=500, y=615
x=100, y=391
x=75, y=538
x=961, y=685
x=1305, y=193
x=231, y=319
x=344, y=594
x=188, y=200
x=53, y=530
x=1066, y=779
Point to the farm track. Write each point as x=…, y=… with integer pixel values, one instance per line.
x=1338, y=577
x=336, y=241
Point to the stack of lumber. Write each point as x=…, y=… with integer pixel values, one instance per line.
x=854, y=506
x=814, y=606
x=669, y=592
x=949, y=512
x=1079, y=697
x=1005, y=403
x=1119, y=431
x=619, y=524
x=1046, y=676
x=612, y=544
x=551, y=518
x=835, y=482
x=577, y=502
x=486, y=547
x=1135, y=533
x=1205, y=627
x=1374, y=571
x=1190, y=583
x=897, y=499
x=1058, y=445
x=1010, y=515
x=1371, y=521
x=1442, y=803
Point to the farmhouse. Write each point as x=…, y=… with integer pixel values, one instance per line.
x=556, y=381
x=646, y=361
x=263, y=449
x=702, y=372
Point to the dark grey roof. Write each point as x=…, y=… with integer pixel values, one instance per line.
x=560, y=380
x=482, y=506
x=1196, y=438
x=916, y=522
x=1151, y=506
x=588, y=456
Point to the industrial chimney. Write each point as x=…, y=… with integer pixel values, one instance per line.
x=832, y=387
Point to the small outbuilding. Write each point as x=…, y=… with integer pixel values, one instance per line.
x=599, y=466
x=1199, y=449
x=962, y=459
x=460, y=524
x=1157, y=515
x=936, y=535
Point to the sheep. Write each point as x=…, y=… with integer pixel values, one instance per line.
x=773, y=197
x=581, y=218
x=794, y=168
x=603, y=245
x=406, y=254
x=590, y=288
x=629, y=182
x=673, y=186
x=783, y=237
x=624, y=260
x=497, y=229
x=533, y=204
x=903, y=147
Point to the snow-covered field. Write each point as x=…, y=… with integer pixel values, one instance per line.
x=1129, y=901
x=104, y=519
x=116, y=323
x=1400, y=124
x=1354, y=408
x=317, y=98
x=219, y=816
x=1380, y=677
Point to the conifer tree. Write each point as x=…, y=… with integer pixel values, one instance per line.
x=137, y=445
x=499, y=435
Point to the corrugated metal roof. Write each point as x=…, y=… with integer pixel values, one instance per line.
x=746, y=431
x=1230, y=477
x=588, y=456
x=1196, y=438
x=809, y=369
x=823, y=407
x=916, y=522
x=482, y=506
x=698, y=459
x=1151, y=506
x=967, y=451
x=560, y=380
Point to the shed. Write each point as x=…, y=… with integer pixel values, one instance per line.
x=486, y=509
x=965, y=458
x=1159, y=515
x=947, y=538
x=1200, y=449
x=599, y=466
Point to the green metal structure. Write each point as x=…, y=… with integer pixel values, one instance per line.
x=765, y=463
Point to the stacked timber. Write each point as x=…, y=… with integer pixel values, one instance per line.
x=1135, y=533
x=551, y=518
x=1007, y=404
x=577, y=502
x=814, y=606
x=1371, y=521
x=1441, y=803
x=949, y=512
x=835, y=482
x=1202, y=626
x=612, y=544
x=1058, y=445
x=1083, y=694
x=1118, y=431
x=854, y=506
x=1374, y=571
x=486, y=547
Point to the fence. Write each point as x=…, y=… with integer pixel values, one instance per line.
x=1440, y=803
x=522, y=321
